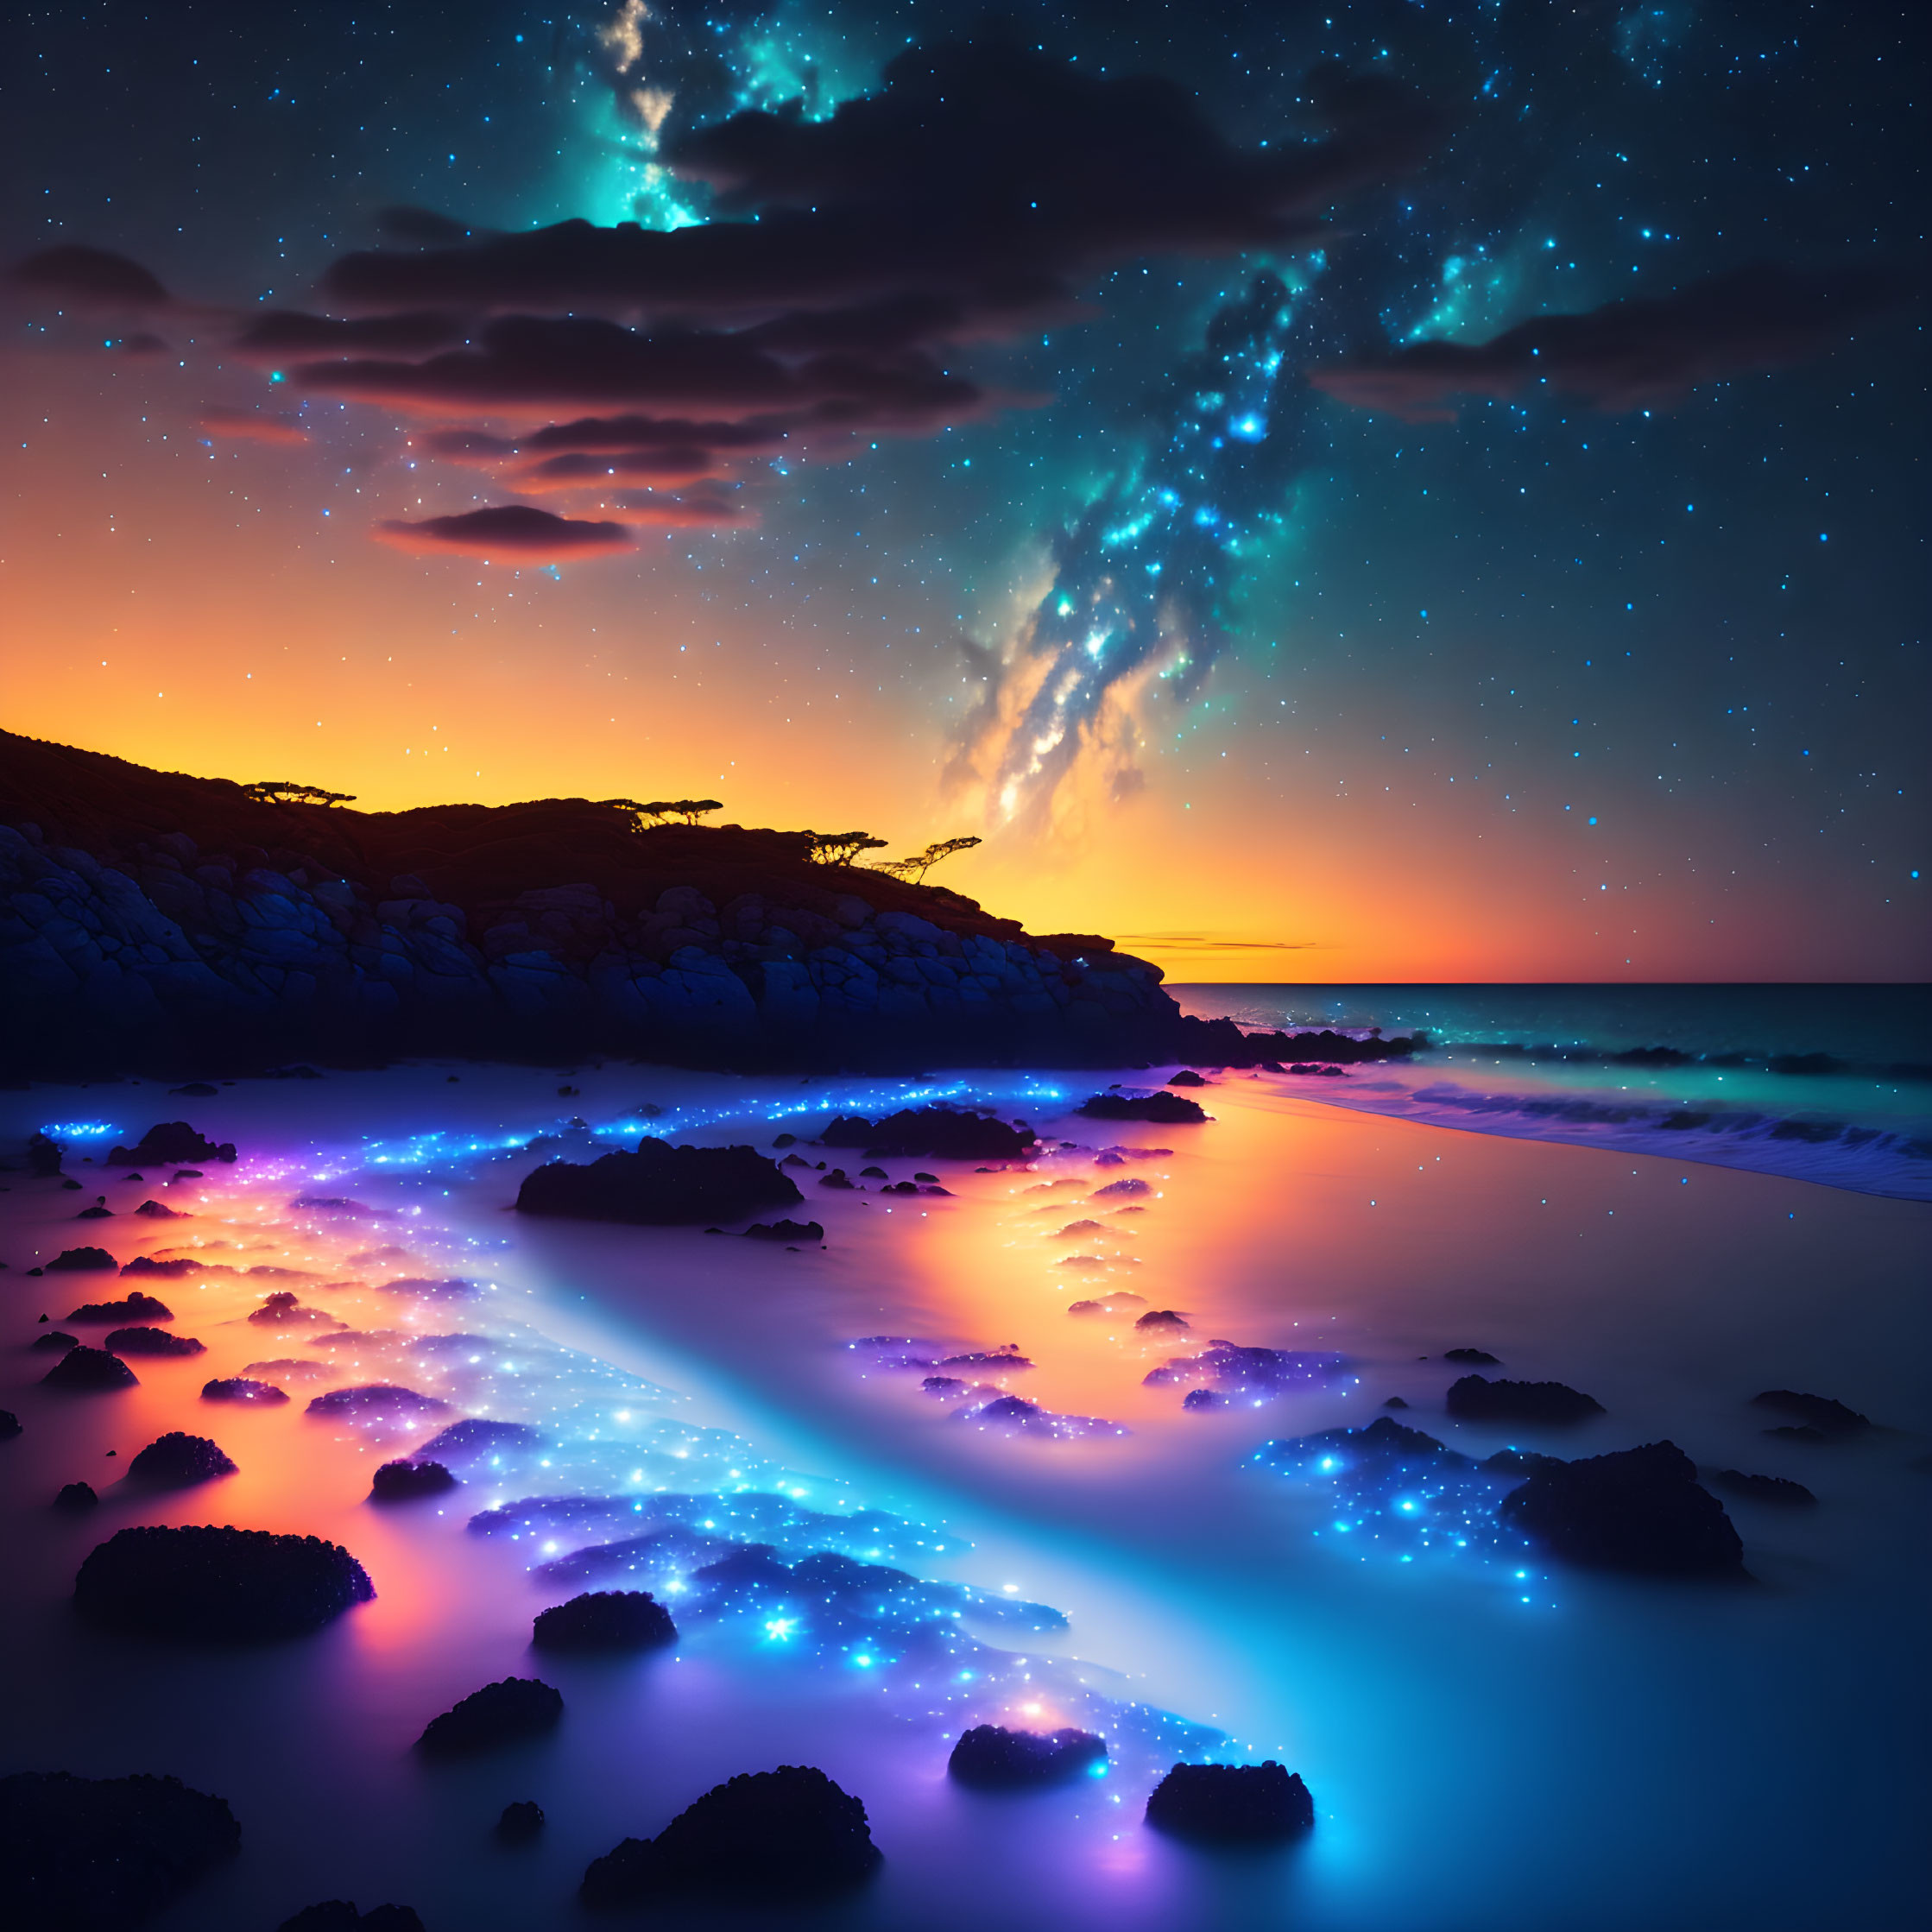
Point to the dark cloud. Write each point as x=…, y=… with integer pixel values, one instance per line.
x=513, y=531
x=285, y=332
x=75, y=273
x=252, y=425
x=1630, y=355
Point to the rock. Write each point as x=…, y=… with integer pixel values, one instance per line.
x=339, y=1915
x=99, y=1212
x=946, y=1132
x=1186, y=1077
x=1472, y=1399
x=520, y=1823
x=1163, y=1318
x=136, y=1307
x=1131, y=1188
x=1765, y=1489
x=660, y=1185
x=838, y=1178
x=94, y=1854
x=1231, y=1803
x=239, y=1388
x=808, y=1231
x=43, y=1157
x=76, y=1496
x=499, y=1714
x=186, y=1174
x=81, y=1260
x=1395, y=1402
x=789, y=1836
x=283, y=1309
x=474, y=1436
x=1197, y=1399
x=179, y=1459
x=9, y=1425
x=372, y=1399
x=152, y=1342
x=1167, y=1109
x=993, y=1760
x=155, y=1211
x=90, y=1369
x=217, y=1585
x=873, y=1174
x=1475, y=1358
x=605, y=1620
x=402, y=1482
x=169, y=1144
x=1639, y=1509
x=146, y=1264
x=1815, y=1412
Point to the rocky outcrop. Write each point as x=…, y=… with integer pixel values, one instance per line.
x=168, y=1145
x=943, y=1133
x=1640, y=1509
x=240, y=1388
x=217, y=1585
x=660, y=1185
x=500, y=1713
x=152, y=1342
x=92, y=1854
x=1553, y=1404
x=1165, y=1109
x=605, y=1620
x=521, y=1822
x=178, y=1459
x=405, y=1481
x=135, y=1308
x=991, y=1759
x=81, y=1260
x=89, y=1370
x=76, y=1497
x=786, y=1836
x=1821, y=1414
x=1231, y=1804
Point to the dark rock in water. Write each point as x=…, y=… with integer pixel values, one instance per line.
x=943, y=1387
x=945, y=1132
x=1163, y=1318
x=81, y=1260
x=98, y=1213
x=1186, y=1077
x=402, y=1482
x=1475, y=1358
x=155, y=1211
x=873, y=1174
x=1198, y=1399
x=993, y=1760
x=474, y=1436
x=785, y=1231
x=377, y=1398
x=283, y=1310
x=838, y=1178
x=152, y=1342
x=1167, y=1109
x=339, y=1915
x=1117, y=1191
x=217, y=1585
x=146, y=1264
x=43, y=1157
x=521, y=1822
x=136, y=1307
x=605, y=1620
x=168, y=1145
x=1765, y=1489
x=785, y=1835
x=9, y=1425
x=1639, y=1509
x=1231, y=1804
x=177, y=1458
x=660, y=1185
x=1472, y=1399
x=499, y=1714
x=90, y=1368
x=94, y=1854
x=55, y=1338
x=239, y=1388
x=1818, y=1411
x=1395, y=1402
x=186, y=1174
x=76, y=1496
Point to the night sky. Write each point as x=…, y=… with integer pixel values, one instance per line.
x=1397, y=491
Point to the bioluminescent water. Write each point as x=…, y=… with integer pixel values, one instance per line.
x=1045, y=1449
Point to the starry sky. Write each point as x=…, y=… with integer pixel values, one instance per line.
x=1401, y=491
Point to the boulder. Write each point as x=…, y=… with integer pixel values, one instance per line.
x=1765, y=1489
x=474, y=1436
x=605, y=1620
x=90, y=1369
x=81, y=1260
x=1186, y=1077
x=945, y=1132
x=89, y=1855
x=1395, y=1402
x=136, y=1307
x=76, y=1496
x=1197, y=1399
x=283, y=1309
x=807, y=1231
x=239, y=1388
x=55, y=1338
x=152, y=1342
x=1163, y=1318
x=1231, y=1803
x=521, y=1822
x=178, y=1459
x=1639, y=1509
x=168, y=1145
x=991, y=1759
x=1164, y=1108
x=43, y=1157
x=155, y=1210
x=9, y=1425
x=217, y=1585
x=370, y=1401
x=499, y=1714
x=784, y=1837
x=1814, y=1411
x=403, y=1482
x=660, y=1185
x=1472, y=1399
x=1473, y=1358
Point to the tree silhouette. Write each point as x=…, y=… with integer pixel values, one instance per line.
x=841, y=847
x=656, y=810
x=913, y=870
x=285, y=792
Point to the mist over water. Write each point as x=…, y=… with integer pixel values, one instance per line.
x=1491, y=1741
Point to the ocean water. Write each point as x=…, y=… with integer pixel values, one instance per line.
x=1492, y=1741
x=1831, y=1084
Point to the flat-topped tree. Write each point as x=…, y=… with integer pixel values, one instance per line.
x=285, y=792
x=690, y=810
x=914, y=868
x=841, y=847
